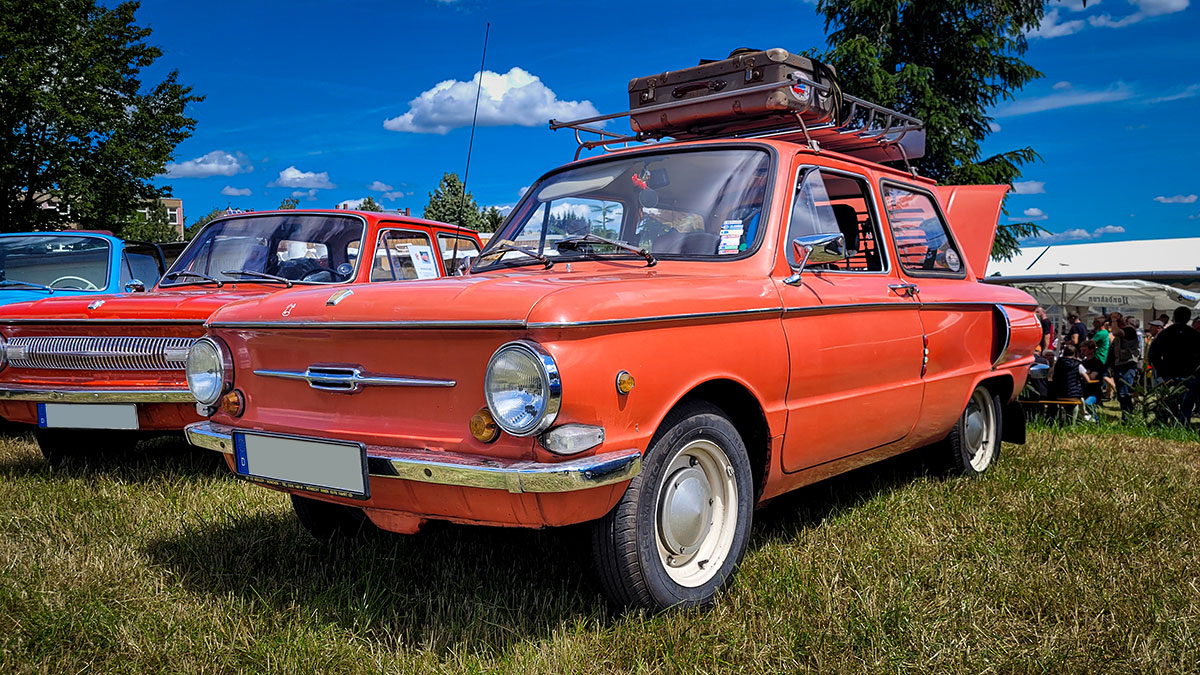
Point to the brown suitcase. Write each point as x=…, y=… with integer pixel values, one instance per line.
x=707, y=103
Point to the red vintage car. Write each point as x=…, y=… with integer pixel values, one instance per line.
x=656, y=341
x=76, y=365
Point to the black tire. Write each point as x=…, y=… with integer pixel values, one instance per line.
x=59, y=445
x=631, y=548
x=328, y=522
x=961, y=453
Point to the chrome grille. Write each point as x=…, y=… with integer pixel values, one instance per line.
x=98, y=353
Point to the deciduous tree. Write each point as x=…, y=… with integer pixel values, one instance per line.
x=369, y=204
x=947, y=62
x=446, y=204
x=289, y=203
x=77, y=124
x=151, y=225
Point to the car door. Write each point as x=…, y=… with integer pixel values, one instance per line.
x=854, y=332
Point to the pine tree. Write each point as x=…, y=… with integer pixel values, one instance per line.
x=446, y=204
x=369, y=204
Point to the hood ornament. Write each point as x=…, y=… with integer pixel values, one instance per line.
x=95, y=304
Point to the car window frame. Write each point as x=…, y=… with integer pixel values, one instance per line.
x=380, y=234
x=937, y=207
x=773, y=168
x=454, y=235
x=109, y=268
x=882, y=241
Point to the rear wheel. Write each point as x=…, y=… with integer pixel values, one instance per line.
x=974, y=442
x=327, y=521
x=679, y=532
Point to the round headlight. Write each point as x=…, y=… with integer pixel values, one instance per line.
x=207, y=375
x=3, y=352
x=522, y=388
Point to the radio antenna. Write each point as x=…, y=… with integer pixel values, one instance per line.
x=462, y=202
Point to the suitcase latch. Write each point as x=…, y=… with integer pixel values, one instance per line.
x=753, y=74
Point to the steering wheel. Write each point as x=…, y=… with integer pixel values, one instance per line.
x=87, y=285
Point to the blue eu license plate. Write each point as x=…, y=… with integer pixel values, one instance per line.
x=327, y=467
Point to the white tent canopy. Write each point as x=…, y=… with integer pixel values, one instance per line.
x=1128, y=294
x=1149, y=255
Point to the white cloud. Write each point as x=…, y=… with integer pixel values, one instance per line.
x=215, y=163
x=1070, y=98
x=380, y=186
x=1051, y=27
x=1034, y=213
x=1059, y=86
x=1176, y=199
x=396, y=194
x=295, y=178
x=1195, y=217
x=230, y=191
x=351, y=204
x=993, y=127
x=580, y=210
x=1108, y=229
x=522, y=191
x=1029, y=187
x=1191, y=91
x=310, y=195
x=514, y=98
x=1160, y=7
x=1075, y=234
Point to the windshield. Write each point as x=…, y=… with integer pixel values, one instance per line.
x=302, y=248
x=690, y=204
x=67, y=262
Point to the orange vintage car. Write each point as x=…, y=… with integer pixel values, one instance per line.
x=656, y=341
x=76, y=366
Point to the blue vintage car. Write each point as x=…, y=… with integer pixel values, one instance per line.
x=34, y=265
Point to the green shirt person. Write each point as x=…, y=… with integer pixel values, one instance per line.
x=1102, y=338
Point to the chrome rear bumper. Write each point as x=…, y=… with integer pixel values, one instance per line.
x=462, y=470
x=63, y=395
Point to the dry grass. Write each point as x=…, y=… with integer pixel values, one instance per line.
x=1078, y=553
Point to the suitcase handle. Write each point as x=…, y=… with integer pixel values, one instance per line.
x=684, y=90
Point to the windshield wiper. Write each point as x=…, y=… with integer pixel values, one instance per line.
x=260, y=275
x=505, y=248
x=193, y=275
x=573, y=242
x=26, y=284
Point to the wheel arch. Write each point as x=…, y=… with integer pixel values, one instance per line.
x=1012, y=415
x=747, y=414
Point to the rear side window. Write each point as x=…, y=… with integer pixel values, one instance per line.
x=140, y=266
x=454, y=258
x=401, y=254
x=922, y=240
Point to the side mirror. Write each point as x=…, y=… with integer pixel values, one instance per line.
x=135, y=286
x=816, y=249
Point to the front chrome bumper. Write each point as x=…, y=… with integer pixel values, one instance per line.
x=62, y=395
x=462, y=470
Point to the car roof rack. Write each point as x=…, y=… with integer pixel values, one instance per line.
x=866, y=130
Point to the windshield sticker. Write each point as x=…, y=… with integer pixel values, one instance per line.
x=731, y=237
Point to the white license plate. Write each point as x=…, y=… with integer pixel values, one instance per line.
x=87, y=415
x=318, y=466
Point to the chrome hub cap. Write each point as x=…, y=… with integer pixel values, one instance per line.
x=685, y=515
x=696, y=515
x=979, y=430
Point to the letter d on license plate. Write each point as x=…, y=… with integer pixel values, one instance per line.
x=327, y=467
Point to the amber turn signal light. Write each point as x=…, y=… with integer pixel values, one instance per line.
x=233, y=403
x=483, y=427
x=625, y=382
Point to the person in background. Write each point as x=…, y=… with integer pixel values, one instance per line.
x=1076, y=332
x=1069, y=375
x=1102, y=337
x=1127, y=360
x=1195, y=324
x=1047, y=329
x=1093, y=377
x=1156, y=327
x=1165, y=319
x=1175, y=355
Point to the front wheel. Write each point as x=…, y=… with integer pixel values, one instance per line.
x=974, y=442
x=678, y=533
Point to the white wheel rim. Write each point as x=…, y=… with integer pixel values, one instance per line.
x=696, y=513
x=979, y=430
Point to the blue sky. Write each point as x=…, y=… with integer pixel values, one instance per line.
x=332, y=102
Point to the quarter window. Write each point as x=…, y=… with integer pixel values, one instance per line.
x=828, y=203
x=922, y=241
x=401, y=255
x=453, y=259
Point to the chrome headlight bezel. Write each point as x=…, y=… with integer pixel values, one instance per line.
x=219, y=353
x=3, y=352
x=551, y=388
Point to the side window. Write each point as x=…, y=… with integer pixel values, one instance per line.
x=400, y=255
x=828, y=202
x=922, y=240
x=466, y=249
x=140, y=266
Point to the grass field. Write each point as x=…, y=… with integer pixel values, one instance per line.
x=1076, y=553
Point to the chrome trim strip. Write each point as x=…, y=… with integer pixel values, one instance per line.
x=61, y=395
x=352, y=381
x=415, y=325
x=463, y=470
x=1001, y=357
x=652, y=319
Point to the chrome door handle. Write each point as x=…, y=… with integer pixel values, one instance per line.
x=907, y=290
